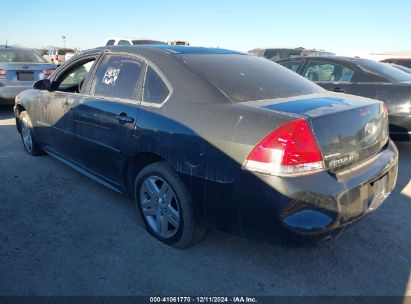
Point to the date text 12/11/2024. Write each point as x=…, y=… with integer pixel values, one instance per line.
x=237, y=299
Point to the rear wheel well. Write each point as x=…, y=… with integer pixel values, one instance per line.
x=135, y=164
x=17, y=111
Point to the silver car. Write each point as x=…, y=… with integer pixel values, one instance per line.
x=19, y=70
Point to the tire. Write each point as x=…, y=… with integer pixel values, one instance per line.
x=30, y=143
x=166, y=207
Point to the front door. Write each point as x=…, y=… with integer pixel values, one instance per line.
x=57, y=119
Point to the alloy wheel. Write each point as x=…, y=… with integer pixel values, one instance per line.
x=160, y=206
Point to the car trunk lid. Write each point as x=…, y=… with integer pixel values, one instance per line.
x=25, y=71
x=349, y=129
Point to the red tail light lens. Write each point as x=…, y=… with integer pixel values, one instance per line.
x=48, y=72
x=291, y=149
x=3, y=73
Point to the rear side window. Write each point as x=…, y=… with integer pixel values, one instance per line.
x=117, y=77
x=110, y=42
x=248, y=78
x=155, y=90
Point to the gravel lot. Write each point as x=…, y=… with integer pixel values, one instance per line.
x=63, y=234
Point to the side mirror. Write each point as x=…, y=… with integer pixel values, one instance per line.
x=43, y=84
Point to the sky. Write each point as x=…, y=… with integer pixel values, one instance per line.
x=337, y=26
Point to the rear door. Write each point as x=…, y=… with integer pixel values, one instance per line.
x=106, y=117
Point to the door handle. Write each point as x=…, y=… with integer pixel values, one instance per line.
x=338, y=90
x=123, y=118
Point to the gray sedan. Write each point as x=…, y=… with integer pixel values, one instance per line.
x=19, y=70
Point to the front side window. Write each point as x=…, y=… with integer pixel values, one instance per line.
x=117, y=77
x=73, y=80
x=325, y=71
x=155, y=90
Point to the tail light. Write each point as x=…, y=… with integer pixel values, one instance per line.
x=48, y=72
x=289, y=150
x=3, y=73
x=57, y=57
x=384, y=109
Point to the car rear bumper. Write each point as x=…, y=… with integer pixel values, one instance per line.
x=400, y=126
x=317, y=204
x=9, y=93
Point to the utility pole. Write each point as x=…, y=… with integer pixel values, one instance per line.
x=64, y=41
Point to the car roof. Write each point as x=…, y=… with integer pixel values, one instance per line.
x=170, y=49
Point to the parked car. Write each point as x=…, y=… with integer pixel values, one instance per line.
x=57, y=56
x=275, y=54
x=203, y=137
x=179, y=42
x=19, y=70
x=406, y=62
x=400, y=67
x=362, y=77
x=131, y=41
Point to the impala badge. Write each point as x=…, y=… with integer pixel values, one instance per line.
x=342, y=161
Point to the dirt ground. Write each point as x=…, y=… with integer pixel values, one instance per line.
x=63, y=234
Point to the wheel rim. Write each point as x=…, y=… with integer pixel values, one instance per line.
x=160, y=207
x=26, y=134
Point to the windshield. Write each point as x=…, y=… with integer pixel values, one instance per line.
x=9, y=55
x=248, y=78
x=384, y=70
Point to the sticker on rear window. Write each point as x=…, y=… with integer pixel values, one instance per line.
x=110, y=76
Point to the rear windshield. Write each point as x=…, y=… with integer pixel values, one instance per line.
x=385, y=71
x=8, y=55
x=249, y=78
